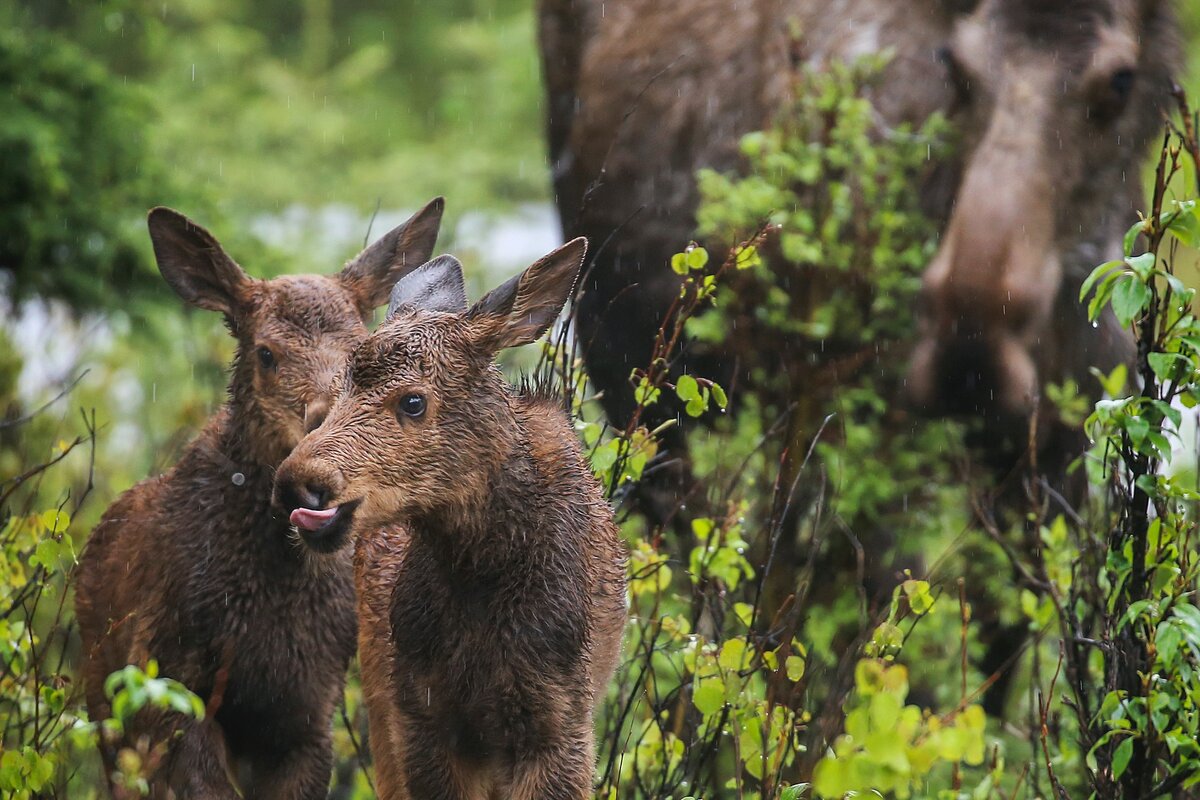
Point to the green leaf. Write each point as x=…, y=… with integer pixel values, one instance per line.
x=1131, y=237
x=1113, y=383
x=697, y=257
x=679, y=264
x=1165, y=364
x=1104, y=269
x=709, y=695
x=687, y=388
x=833, y=777
x=732, y=655
x=55, y=521
x=718, y=395
x=605, y=456
x=1185, y=225
x=1143, y=265
x=747, y=257
x=645, y=394
x=1129, y=297
x=920, y=600
x=41, y=769
x=1121, y=757
x=1103, y=294
x=794, y=792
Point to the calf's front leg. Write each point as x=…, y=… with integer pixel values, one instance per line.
x=561, y=771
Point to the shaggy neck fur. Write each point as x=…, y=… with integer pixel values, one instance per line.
x=488, y=526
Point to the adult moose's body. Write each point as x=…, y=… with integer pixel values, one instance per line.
x=194, y=569
x=1055, y=101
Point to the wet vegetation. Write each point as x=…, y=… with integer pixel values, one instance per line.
x=853, y=600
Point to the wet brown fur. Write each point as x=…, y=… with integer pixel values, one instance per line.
x=489, y=572
x=197, y=571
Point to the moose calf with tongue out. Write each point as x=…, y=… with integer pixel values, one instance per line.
x=195, y=568
x=489, y=572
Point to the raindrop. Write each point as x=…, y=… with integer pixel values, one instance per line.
x=1095, y=323
x=238, y=479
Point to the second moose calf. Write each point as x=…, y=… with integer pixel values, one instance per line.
x=490, y=574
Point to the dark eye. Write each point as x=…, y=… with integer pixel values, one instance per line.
x=1108, y=96
x=266, y=358
x=1122, y=83
x=412, y=405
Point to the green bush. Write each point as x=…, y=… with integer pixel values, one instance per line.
x=75, y=174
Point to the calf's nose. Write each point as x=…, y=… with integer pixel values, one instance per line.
x=301, y=494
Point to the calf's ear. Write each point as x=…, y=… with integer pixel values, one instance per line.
x=372, y=273
x=194, y=264
x=436, y=285
x=523, y=308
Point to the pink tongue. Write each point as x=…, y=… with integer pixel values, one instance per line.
x=310, y=520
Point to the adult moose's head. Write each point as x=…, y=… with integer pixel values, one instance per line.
x=1057, y=101
x=294, y=332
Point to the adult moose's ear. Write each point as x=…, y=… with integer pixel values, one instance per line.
x=372, y=273
x=524, y=307
x=194, y=264
x=436, y=285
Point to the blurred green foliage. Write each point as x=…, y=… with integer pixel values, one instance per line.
x=235, y=111
x=73, y=165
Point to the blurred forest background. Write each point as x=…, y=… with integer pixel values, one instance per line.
x=285, y=128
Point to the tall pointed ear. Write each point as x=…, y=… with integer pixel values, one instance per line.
x=373, y=272
x=193, y=263
x=520, y=310
x=436, y=285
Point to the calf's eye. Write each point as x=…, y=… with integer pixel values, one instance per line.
x=412, y=405
x=266, y=358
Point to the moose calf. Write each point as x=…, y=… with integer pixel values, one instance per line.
x=195, y=570
x=489, y=572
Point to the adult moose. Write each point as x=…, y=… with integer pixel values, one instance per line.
x=195, y=570
x=1055, y=101
x=490, y=575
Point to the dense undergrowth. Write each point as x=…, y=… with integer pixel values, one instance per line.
x=815, y=626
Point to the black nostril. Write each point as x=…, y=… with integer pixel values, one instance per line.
x=314, y=495
x=294, y=495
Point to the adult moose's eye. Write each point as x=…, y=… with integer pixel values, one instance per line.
x=412, y=405
x=266, y=359
x=1121, y=83
x=1111, y=94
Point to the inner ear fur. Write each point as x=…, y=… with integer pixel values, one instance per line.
x=372, y=273
x=524, y=307
x=194, y=264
